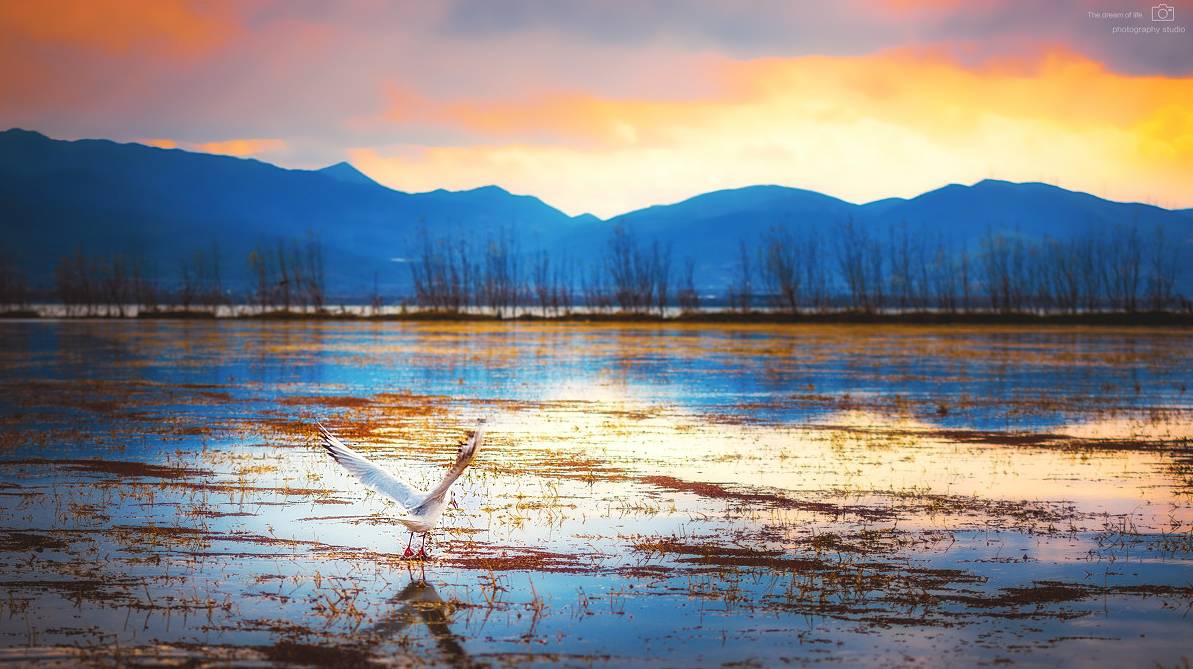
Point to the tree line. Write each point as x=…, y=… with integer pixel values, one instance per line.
x=452, y=275
x=286, y=275
x=786, y=269
x=798, y=271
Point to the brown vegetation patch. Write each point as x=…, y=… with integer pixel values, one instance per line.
x=728, y=556
x=174, y=536
x=1038, y=594
x=116, y=467
x=761, y=560
x=645, y=571
x=676, y=547
x=718, y=491
x=990, y=437
x=1156, y=590
x=342, y=657
x=286, y=491
x=333, y=401
x=1026, y=439
x=89, y=587
x=30, y=542
x=524, y=560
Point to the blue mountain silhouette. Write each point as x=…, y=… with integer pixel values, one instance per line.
x=112, y=198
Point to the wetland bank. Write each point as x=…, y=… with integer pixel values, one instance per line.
x=652, y=494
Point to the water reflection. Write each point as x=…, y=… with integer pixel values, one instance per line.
x=418, y=602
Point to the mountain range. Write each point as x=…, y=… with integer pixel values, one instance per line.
x=112, y=198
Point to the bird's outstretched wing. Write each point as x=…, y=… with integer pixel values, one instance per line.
x=370, y=473
x=467, y=453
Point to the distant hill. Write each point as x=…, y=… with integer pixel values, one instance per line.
x=1029, y=209
x=347, y=173
x=118, y=198
x=708, y=227
x=111, y=198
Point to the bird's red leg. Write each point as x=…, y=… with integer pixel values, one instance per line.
x=422, y=549
x=409, y=552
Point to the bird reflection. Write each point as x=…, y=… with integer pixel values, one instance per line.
x=421, y=601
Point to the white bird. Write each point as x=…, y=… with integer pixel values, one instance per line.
x=421, y=510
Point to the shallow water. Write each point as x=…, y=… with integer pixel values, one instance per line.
x=649, y=494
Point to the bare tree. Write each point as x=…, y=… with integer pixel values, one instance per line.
x=13, y=289
x=1005, y=272
x=285, y=283
x=261, y=267
x=661, y=270
x=114, y=281
x=313, y=283
x=500, y=278
x=375, y=301
x=187, y=284
x=688, y=298
x=640, y=277
x=597, y=295
x=741, y=290
x=144, y=292
x=782, y=271
x=73, y=279
x=619, y=261
x=1090, y=260
x=1124, y=268
x=858, y=268
x=444, y=274
x=211, y=290
x=815, y=271
x=541, y=276
x=1061, y=264
x=1161, y=282
x=903, y=288
x=944, y=279
x=966, y=300
x=563, y=293
x=200, y=279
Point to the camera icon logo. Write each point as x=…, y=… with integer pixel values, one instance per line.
x=1163, y=12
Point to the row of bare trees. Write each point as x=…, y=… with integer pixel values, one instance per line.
x=795, y=270
x=103, y=286
x=288, y=275
x=200, y=281
x=451, y=275
x=639, y=277
x=787, y=269
x=1118, y=271
x=14, y=293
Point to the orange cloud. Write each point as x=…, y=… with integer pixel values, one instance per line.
x=908, y=85
x=859, y=127
x=229, y=147
x=242, y=147
x=239, y=148
x=88, y=54
x=117, y=27
x=571, y=116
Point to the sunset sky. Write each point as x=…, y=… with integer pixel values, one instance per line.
x=608, y=106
